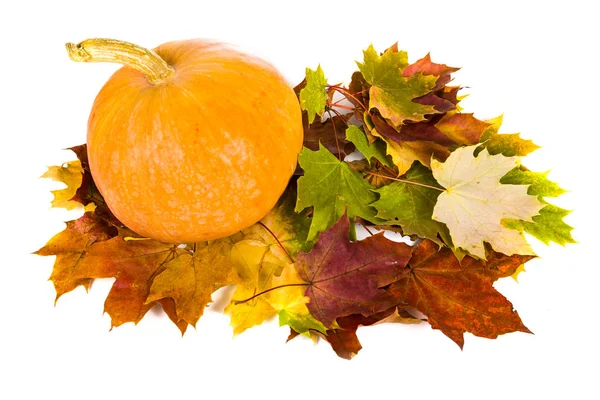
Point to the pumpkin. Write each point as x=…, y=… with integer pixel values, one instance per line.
x=192, y=141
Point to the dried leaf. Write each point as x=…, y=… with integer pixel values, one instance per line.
x=70, y=174
x=475, y=203
x=346, y=278
x=507, y=144
x=190, y=279
x=459, y=297
x=71, y=248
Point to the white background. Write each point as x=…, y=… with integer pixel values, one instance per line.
x=535, y=61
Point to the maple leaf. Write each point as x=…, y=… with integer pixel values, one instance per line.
x=537, y=183
x=427, y=67
x=331, y=133
x=346, y=278
x=87, y=193
x=404, y=152
x=313, y=97
x=256, y=266
x=269, y=286
x=330, y=186
x=191, y=278
x=438, y=97
x=343, y=339
x=70, y=248
x=507, y=144
x=410, y=205
x=459, y=297
x=548, y=226
x=391, y=92
x=462, y=128
x=290, y=303
x=70, y=174
x=376, y=150
x=263, y=260
x=474, y=202
x=133, y=264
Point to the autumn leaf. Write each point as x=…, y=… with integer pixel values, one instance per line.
x=313, y=97
x=459, y=297
x=330, y=186
x=346, y=278
x=391, y=92
x=405, y=152
x=548, y=226
x=375, y=150
x=256, y=267
x=191, y=278
x=330, y=133
x=71, y=248
x=507, y=144
x=70, y=174
x=438, y=98
x=343, y=339
x=133, y=264
x=263, y=259
x=537, y=183
x=462, y=128
x=475, y=203
x=409, y=203
x=427, y=67
x=88, y=194
x=291, y=304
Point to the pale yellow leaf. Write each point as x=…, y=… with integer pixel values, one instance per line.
x=474, y=202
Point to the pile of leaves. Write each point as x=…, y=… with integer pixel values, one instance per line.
x=452, y=183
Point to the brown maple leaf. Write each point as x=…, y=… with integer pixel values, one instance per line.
x=133, y=264
x=458, y=297
x=191, y=278
x=438, y=96
x=88, y=192
x=71, y=248
x=331, y=133
x=346, y=277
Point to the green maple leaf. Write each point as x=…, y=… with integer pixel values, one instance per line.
x=377, y=149
x=301, y=323
x=507, y=144
x=539, y=183
x=331, y=186
x=548, y=226
x=313, y=97
x=411, y=205
x=391, y=92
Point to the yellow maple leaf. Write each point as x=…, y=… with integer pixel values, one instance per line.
x=191, y=278
x=69, y=173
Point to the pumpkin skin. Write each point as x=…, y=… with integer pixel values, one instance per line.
x=200, y=156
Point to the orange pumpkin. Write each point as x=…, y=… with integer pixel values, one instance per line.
x=192, y=141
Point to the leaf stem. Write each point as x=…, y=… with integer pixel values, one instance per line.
x=346, y=92
x=267, y=291
x=337, y=143
x=406, y=181
x=277, y=239
x=343, y=107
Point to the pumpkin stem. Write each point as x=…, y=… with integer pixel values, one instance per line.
x=110, y=50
